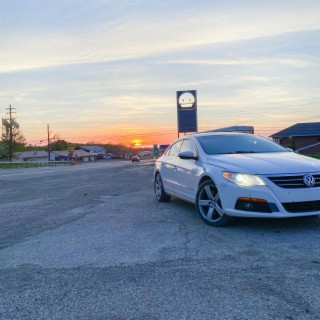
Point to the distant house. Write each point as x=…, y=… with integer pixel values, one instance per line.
x=100, y=151
x=301, y=137
x=2, y=150
x=38, y=156
x=145, y=153
x=78, y=155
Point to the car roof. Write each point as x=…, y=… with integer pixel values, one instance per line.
x=219, y=133
x=208, y=134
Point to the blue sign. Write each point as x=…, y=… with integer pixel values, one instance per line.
x=187, y=111
x=163, y=147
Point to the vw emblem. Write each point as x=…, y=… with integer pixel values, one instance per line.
x=309, y=180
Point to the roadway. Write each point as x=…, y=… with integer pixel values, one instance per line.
x=91, y=242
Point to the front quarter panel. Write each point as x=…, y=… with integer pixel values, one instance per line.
x=215, y=174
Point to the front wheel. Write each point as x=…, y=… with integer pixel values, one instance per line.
x=159, y=190
x=209, y=206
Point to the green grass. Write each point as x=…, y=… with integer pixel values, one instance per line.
x=17, y=165
x=316, y=156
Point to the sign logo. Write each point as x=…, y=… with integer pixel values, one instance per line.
x=186, y=100
x=309, y=180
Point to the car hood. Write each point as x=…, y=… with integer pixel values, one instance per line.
x=265, y=163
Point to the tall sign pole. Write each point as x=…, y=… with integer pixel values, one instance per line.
x=48, y=132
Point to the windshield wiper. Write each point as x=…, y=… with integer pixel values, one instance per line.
x=234, y=152
x=245, y=152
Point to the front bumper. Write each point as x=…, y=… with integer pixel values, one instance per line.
x=276, y=198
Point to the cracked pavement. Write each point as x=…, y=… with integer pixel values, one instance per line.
x=91, y=242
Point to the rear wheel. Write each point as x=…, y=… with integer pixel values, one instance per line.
x=159, y=190
x=209, y=205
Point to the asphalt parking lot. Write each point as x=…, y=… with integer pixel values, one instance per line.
x=91, y=242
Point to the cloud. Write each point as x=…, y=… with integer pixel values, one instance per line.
x=64, y=33
x=293, y=62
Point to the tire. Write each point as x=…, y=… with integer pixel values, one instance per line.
x=159, y=190
x=208, y=205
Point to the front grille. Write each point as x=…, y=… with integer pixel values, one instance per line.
x=293, y=182
x=306, y=206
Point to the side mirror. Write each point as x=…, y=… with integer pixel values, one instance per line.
x=289, y=149
x=187, y=155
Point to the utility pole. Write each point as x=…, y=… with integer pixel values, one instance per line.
x=10, y=133
x=48, y=132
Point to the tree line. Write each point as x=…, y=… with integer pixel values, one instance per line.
x=13, y=141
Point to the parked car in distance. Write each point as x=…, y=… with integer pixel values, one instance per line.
x=238, y=175
x=135, y=159
x=117, y=156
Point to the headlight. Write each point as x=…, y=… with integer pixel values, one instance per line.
x=243, y=179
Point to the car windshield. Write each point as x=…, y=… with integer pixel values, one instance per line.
x=229, y=144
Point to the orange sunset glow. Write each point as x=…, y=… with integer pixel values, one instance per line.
x=136, y=142
x=144, y=137
x=128, y=136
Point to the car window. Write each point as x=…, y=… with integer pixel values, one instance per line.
x=175, y=149
x=224, y=144
x=188, y=145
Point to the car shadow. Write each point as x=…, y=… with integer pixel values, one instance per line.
x=263, y=224
x=277, y=224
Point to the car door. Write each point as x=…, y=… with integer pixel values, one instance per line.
x=187, y=172
x=168, y=168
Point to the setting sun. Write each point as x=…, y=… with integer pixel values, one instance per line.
x=136, y=142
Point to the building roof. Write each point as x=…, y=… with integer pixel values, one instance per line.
x=31, y=154
x=78, y=153
x=309, y=129
x=96, y=149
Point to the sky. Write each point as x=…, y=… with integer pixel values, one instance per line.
x=107, y=71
